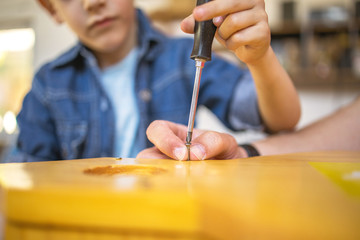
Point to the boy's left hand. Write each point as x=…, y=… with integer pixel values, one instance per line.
x=169, y=141
x=242, y=26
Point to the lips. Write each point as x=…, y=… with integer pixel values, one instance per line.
x=102, y=22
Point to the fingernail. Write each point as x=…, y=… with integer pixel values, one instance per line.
x=217, y=20
x=199, y=151
x=180, y=153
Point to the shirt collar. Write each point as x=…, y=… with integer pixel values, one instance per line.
x=149, y=39
x=149, y=44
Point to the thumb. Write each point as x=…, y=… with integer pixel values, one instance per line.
x=187, y=25
x=167, y=137
x=218, y=145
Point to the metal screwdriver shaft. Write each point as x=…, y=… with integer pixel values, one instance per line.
x=203, y=36
x=199, y=64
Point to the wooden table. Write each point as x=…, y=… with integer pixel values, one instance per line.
x=295, y=196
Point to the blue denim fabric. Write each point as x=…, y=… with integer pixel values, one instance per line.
x=67, y=115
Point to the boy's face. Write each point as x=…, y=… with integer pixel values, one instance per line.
x=102, y=25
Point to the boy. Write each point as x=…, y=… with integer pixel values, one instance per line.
x=98, y=98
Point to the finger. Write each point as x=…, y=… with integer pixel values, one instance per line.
x=218, y=20
x=238, y=21
x=197, y=151
x=169, y=138
x=187, y=25
x=216, y=8
x=251, y=36
x=151, y=153
x=218, y=145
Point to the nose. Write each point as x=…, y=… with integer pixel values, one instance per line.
x=91, y=5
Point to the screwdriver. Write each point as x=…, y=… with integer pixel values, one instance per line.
x=204, y=32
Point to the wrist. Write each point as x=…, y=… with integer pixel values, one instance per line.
x=265, y=58
x=249, y=150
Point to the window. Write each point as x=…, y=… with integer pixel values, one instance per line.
x=16, y=71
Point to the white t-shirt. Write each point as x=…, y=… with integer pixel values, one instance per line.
x=119, y=83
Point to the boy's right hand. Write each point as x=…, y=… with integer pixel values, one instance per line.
x=242, y=26
x=169, y=141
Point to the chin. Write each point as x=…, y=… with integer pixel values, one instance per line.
x=107, y=47
x=113, y=44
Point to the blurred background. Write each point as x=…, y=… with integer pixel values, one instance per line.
x=317, y=41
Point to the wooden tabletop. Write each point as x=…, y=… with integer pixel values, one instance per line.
x=294, y=196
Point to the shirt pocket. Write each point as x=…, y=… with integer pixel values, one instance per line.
x=72, y=138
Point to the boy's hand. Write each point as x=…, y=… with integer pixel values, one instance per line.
x=169, y=141
x=242, y=26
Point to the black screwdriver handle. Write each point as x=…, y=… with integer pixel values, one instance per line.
x=203, y=37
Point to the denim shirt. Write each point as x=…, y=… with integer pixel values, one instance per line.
x=67, y=114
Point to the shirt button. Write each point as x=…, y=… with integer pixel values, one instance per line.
x=145, y=95
x=103, y=105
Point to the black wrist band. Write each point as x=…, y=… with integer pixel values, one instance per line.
x=250, y=150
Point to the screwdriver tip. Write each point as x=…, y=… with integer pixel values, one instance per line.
x=188, y=144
